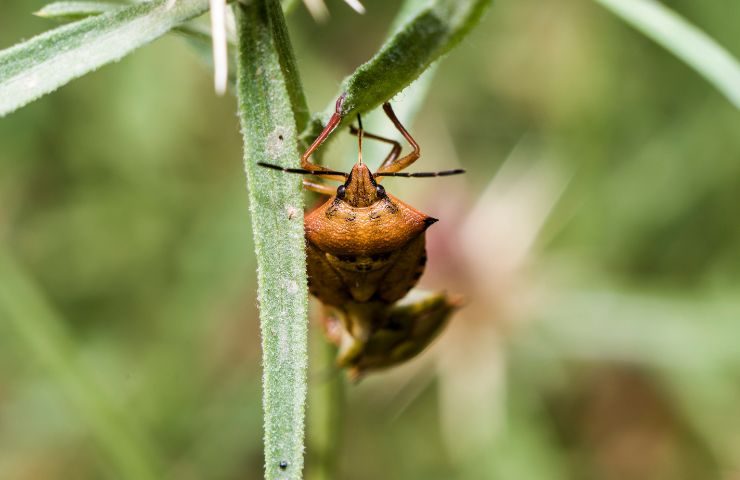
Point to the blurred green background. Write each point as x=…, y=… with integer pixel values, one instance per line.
x=596, y=240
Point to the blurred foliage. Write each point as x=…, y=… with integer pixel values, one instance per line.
x=607, y=350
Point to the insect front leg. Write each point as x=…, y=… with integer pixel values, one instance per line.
x=332, y=124
x=319, y=188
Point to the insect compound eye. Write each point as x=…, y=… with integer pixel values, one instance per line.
x=380, y=190
x=341, y=191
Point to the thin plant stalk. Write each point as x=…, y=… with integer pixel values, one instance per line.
x=41, y=331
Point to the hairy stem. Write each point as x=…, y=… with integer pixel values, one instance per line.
x=272, y=109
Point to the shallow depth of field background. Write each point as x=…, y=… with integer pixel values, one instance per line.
x=596, y=239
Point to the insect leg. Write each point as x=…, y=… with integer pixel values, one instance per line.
x=397, y=164
x=319, y=188
x=306, y=163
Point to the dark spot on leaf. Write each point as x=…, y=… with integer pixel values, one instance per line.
x=283, y=465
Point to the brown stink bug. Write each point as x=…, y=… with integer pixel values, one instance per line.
x=366, y=250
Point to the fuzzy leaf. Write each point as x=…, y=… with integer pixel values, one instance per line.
x=428, y=30
x=46, y=62
x=75, y=10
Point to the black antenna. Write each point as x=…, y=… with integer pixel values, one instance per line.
x=443, y=173
x=301, y=171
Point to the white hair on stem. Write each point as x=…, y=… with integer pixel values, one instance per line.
x=355, y=5
x=220, y=53
x=318, y=10
x=219, y=27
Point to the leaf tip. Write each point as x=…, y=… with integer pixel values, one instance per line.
x=43, y=13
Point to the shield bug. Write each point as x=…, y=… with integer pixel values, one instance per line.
x=366, y=250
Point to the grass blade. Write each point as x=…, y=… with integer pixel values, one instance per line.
x=684, y=40
x=272, y=109
x=41, y=330
x=44, y=63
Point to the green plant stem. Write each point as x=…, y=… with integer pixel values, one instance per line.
x=272, y=109
x=42, y=331
x=326, y=405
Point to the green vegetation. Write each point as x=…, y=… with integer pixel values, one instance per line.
x=594, y=240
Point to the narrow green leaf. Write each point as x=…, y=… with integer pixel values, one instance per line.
x=46, y=62
x=272, y=109
x=75, y=10
x=41, y=331
x=428, y=30
x=684, y=40
x=67, y=11
x=197, y=34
